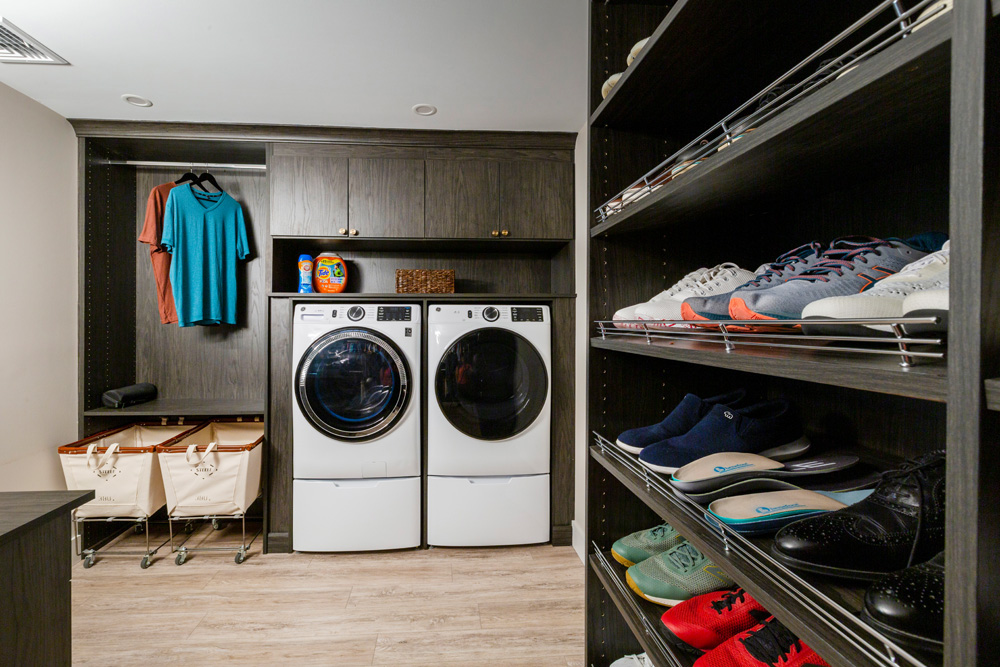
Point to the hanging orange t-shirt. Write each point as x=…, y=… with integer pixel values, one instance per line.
x=152, y=230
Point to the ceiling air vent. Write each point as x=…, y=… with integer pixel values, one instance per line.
x=17, y=46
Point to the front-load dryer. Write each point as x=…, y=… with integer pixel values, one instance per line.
x=356, y=426
x=488, y=424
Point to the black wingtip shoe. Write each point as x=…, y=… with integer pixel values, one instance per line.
x=908, y=606
x=899, y=524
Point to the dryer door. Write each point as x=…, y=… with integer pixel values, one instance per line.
x=491, y=384
x=353, y=384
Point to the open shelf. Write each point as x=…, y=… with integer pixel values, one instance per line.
x=822, y=611
x=184, y=407
x=879, y=374
x=352, y=296
x=316, y=244
x=865, y=120
x=676, y=77
x=993, y=394
x=642, y=616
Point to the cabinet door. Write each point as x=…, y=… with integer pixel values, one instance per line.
x=308, y=195
x=386, y=198
x=463, y=199
x=536, y=199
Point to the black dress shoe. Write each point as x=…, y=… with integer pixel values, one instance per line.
x=900, y=524
x=908, y=606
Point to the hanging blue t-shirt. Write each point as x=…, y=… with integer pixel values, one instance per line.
x=205, y=233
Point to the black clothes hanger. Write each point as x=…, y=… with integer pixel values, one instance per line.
x=192, y=178
x=211, y=179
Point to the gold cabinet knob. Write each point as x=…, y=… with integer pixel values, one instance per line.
x=505, y=233
x=354, y=232
x=343, y=232
x=494, y=233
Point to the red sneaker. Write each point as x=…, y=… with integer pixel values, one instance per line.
x=769, y=644
x=703, y=622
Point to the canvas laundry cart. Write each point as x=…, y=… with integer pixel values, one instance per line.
x=122, y=467
x=212, y=473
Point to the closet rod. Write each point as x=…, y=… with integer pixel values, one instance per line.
x=185, y=165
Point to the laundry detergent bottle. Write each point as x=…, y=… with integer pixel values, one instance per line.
x=329, y=274
x=305, y=274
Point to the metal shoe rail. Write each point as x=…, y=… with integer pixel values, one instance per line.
x=721, y=132
x=720, y=332
x=651, y=632
x=878, y=648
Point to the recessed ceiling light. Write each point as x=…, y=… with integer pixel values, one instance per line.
x=136, y=100
x=425, y=109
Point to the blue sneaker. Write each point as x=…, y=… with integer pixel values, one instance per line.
x=851, y=265
x=772, y=429
x=681, y=419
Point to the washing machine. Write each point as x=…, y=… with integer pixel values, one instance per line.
x=488, y=424
x=356, y=426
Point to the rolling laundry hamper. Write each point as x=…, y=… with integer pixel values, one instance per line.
x=212, y=473
x=122, y=467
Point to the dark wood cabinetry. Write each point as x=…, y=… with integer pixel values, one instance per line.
x=536, y=199
x=386, y=198
x=309, y=194
x=463, y=199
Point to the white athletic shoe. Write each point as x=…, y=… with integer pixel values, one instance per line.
x=886, y=298
x=927, y=303
x=721, y=279
x=639, y=660
x=676, y=292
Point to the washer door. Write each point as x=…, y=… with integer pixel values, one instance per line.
x=353, y=384
x=491, y=384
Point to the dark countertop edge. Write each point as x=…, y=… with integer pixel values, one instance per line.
x=50, y=503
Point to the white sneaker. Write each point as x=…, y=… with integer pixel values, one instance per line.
x=721, y=279
x=640, y=660
x=886, y=298
x=927, y=303
x=678, y=291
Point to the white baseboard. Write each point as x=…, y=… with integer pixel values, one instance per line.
x=578, y=542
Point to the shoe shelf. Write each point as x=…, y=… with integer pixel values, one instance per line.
x=894, y=101
x=676, y=75
x=881, y=374
x=642, y=616
x=184, y=407
x=821, y=611
x=993, y=394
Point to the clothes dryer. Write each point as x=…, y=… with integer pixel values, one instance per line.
x=488, y=424
x=356, y=426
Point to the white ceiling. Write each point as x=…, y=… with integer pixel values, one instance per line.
x=486, y=64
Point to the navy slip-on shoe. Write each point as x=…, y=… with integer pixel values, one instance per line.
x=772, y=429
x=681, y=419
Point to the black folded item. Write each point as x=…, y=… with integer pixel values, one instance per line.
x=130, y=395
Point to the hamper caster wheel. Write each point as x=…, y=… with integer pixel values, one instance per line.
x=240, y=557
x=139, y=529
x=144, y=563
x=216, y=525
x=181, y=557
x=88, y=561
x=189, y=528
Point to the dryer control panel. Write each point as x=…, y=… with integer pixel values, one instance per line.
x=486, y=315
x=357, y=313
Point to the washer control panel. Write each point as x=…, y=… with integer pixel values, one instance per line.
x=522, y=314
x=395, y=313
x=357, y=313
x=500, y=314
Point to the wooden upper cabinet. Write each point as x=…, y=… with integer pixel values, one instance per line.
x=386, y=198
x=308, y=195
x=463, y=199
x=536, y=199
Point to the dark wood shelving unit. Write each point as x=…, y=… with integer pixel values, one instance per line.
x=993, y=393
x=350, y=296
x=926, y=380
x=642, y=616
x=184, y=407
x=820, y=608
x=829, y=131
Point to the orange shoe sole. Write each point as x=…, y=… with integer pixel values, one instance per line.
x=738, y=310
x=687, y=312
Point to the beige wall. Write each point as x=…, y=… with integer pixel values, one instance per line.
x=582, y=337
x=38, y=292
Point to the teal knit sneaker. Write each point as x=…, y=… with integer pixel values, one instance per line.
x=642, y=544
x=676, y=575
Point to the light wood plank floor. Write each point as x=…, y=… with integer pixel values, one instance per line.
x=515, y=606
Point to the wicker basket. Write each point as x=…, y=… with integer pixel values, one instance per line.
x=425, y=281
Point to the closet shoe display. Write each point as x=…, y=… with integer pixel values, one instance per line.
x=769, y=644
x=766, y=513
x=681, y=419
x=721, y=470
x=900, y=524
x=679, y=291
x=771, y=429
x=853, y=478
x=885, y=299
x=723, y=279
x=791, y=263
x=676, y=575
x=908, y=606
x=643, y=544
x=851, y=265
x=703, y=622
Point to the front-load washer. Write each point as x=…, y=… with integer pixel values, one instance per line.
x=488, y=424
x=356, y=426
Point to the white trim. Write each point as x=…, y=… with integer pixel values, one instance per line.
x=578, y=541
